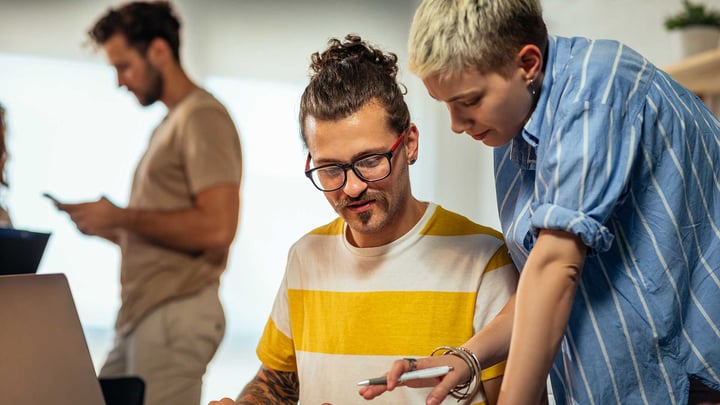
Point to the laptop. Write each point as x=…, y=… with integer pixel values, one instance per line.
x=44, y=357
x=21, y=250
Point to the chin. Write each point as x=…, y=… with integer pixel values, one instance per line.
x=365, y=224
x=496, y=142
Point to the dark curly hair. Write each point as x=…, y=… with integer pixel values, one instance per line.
x=140, y=23
x=348, y=75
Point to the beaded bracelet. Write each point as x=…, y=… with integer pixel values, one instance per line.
x=463, y=391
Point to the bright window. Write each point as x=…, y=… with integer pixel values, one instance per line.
x=75, y=135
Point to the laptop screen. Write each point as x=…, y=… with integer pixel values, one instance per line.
x=21, y=250
x=44, y=358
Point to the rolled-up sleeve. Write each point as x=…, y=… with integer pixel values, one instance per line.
x=582, y=172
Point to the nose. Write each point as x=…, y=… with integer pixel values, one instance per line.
x=120, y=80
x=354, y=186
x=459, y=123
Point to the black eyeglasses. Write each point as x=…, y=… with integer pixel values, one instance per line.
x=369, y=168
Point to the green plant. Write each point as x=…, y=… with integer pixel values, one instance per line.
x=693, y=15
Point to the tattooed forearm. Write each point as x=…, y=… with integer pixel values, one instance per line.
x=271, y=387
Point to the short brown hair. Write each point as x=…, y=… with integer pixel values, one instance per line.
x=348, y=75
x=140, y=23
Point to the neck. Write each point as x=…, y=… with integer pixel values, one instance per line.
x=177, y=85
x=538, y=87
x=537, y=84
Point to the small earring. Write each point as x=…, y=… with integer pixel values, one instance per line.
x=531, y=87
x=412, y=161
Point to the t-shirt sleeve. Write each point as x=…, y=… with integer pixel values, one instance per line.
x=583, y=167
x=276, y=349
x=211, y=149
x=498, y=283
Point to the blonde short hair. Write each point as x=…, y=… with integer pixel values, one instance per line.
x=450, y=36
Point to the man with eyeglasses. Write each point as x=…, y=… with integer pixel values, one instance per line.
x=392, y=277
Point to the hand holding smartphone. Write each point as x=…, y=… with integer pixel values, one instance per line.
x=52, y=198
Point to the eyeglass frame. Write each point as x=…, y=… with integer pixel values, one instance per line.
x=345, y=166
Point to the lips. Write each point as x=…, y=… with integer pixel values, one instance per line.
x=480, y=136
x=361, y=206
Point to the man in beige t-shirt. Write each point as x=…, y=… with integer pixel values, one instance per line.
x=182, y=215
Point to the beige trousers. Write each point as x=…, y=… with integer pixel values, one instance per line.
x=171, y=348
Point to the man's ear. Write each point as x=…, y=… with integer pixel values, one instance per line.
x=158, y=52
x=411, y=143
x=530, y=60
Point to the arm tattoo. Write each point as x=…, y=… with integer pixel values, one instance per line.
x=270, y=387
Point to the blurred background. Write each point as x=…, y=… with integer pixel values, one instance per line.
x=73, y=133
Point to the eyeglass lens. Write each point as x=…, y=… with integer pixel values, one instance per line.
x=369, y=168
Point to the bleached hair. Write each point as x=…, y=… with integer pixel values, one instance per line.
x=450, y=36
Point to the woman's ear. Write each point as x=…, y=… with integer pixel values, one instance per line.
x=530, y=60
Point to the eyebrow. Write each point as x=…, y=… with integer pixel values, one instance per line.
x=322, y=162
x=455, y=98
x=330, y=161
x=469, y=93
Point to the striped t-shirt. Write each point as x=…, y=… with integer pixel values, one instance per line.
x=619, y=154
x=343, y=314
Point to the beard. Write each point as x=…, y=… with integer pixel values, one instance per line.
x=365, y=217
x=155, y=84
x=380, y=212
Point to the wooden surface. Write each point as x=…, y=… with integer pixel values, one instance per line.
x=700, y=73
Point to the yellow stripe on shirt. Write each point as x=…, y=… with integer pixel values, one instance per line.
x=447, y=223
x=500, y=258
x=280, y=354
x=380, y=323
x=333, y=228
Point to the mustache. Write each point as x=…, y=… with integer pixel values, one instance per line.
x=365, y=196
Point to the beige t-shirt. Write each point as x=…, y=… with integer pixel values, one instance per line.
x=196, y=146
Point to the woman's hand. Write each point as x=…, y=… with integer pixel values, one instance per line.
x=443, y=385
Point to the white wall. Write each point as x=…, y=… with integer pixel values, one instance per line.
x=272, y=40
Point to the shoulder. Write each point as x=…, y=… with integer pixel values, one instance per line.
x=599, y=69
x=200, y=113
x=201, y=104
x=580, y=52
x=596, y=77
x=333, y=228
x=319, y=239
x=449, y=223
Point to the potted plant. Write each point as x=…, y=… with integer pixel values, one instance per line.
x=699, y=27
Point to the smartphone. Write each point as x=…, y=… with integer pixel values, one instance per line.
x=53, y=199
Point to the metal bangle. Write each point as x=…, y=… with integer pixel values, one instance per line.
x=464, y=391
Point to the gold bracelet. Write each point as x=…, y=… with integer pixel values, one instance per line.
x=464, y=391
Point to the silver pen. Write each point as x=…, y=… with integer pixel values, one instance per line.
x=410, y=375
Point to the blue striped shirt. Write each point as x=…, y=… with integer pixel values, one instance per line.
x=622, y=156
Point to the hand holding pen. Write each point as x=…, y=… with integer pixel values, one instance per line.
x=454, y=372
x=410, y=375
